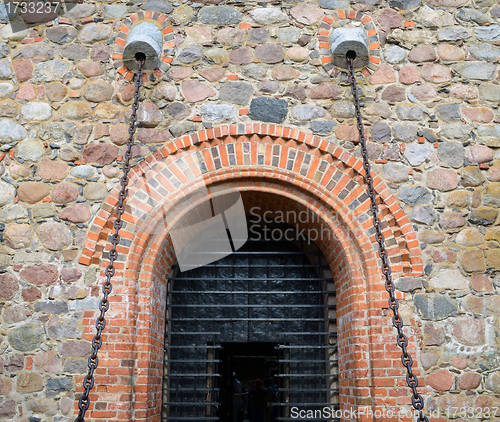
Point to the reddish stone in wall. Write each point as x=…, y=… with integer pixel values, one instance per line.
x=424, y=53
x=441, y=380
x=23, y=69
x=389, y=19
x=100, y=153
x=78, y=213
x=212, y=74
x=469, y=331
x=383, y=75
x=325, y=91
x=195, y=91
x=40, y=274
x=481, y=283
x=8, y=286
x=409, y=75
x=469, y=381
x=478, y=114
x=64, y=193
x=70, y=274
x=442, y=179
x=31, y=294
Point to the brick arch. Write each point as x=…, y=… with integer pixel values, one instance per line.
x=274, y=168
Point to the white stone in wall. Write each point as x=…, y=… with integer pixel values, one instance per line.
x=36, y=111
x=451, y=279
x=416, y=154
x=218, y=112
x=7, y=193
x=12, y=131
x=15, y=31
x=6, y=89
x=268, y=16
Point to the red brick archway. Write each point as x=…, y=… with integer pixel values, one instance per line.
x=274, y=168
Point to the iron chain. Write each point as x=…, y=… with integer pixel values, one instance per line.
x=397, y=321
x=93, y=362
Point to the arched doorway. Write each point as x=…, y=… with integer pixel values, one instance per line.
x=265, y=312
x=273, y=168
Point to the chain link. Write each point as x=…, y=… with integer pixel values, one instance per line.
x=397, y=321
x=93, y=362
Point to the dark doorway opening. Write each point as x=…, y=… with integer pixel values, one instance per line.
x=248, y=361
x=268, y=309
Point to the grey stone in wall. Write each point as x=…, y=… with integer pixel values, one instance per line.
x=307, y=112
x=30, y=150
x=473, y=15
x=395, y=172
x=26, y=337
x=114, y=10
x=414, y=195
x=453, y=34
x=322, y=127
x=405, y=4
x=489, y=135
x=476, y=70
x=409, y=284
x=489, y=92
x=158, y=6
x=5, y=71
x=220, y=15
x=485, y=51
x=218, y=112
x=394, y=54
x=381, y=132
x=255, y=71
x=417, y=154
x=7, y=193
x=12, y=131
x=182, y=128
x=267, y=109
x=236, y=92
x=60, y=384
x=488, y=33
x=51, y=306
x=449, y=112
x=334, y=4
x=289, y=34
x=53, y=70
x=435, y=307
x=452, y=153
x=410, y=113
x=456, y=131
x=4, y=50
x=424, y=215
x=6, y=89
x=404, y=133
x=78, y=11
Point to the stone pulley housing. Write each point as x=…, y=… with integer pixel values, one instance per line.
x=250, y=99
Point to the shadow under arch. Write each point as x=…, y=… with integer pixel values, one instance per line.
x=273, y=169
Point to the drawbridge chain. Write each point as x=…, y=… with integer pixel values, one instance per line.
x=88, y=381
x=416, y=399
x=402, y=341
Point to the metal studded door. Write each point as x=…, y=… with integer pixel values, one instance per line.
x=275, y=292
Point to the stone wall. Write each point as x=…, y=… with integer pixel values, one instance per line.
x=430, y=102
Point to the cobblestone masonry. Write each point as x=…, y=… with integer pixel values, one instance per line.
x=248, y=89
